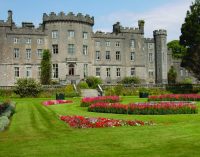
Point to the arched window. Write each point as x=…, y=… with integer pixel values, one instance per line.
x=71, y=69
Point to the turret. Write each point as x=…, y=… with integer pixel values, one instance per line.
x=141, y=25
x=117, y=28
x=160, y=38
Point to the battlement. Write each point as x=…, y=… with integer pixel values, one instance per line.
x=107, y=35
x=149, y=40
x=160, y=32
x=129, y=29
x=71, y=17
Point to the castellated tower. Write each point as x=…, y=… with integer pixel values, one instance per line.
x=160, y=39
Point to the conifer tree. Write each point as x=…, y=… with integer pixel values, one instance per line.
x=46, y=68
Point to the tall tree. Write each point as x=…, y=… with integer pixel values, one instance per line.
x=178, y=51
x=172, y=75
x=46, y=68
x=190, y=38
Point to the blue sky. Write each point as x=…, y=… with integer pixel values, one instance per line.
x=158, y=14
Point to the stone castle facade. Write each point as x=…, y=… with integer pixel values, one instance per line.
x=78, y=52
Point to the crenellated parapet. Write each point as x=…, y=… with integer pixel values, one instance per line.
x=149, y=40
x=117, y=28
x=107, y=35
x=160, y=32
x=70, y=17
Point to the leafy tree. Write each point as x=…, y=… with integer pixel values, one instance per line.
x=46, y=68
x=190, y=38
x=178, y=51
x=27, y=87
x=172, y=75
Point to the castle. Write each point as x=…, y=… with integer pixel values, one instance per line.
x=78, y=52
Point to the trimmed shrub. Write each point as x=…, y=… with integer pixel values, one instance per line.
x=4, y=121
x=83, y=85
x=27, y=87
x=70, y=92
x=131, y=80
x=93, y=81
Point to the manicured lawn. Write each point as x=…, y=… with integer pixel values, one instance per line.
x=36, y=131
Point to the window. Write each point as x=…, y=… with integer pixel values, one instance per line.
x=107, y=43
x=108, y=55
x=150, y=57
x=71, y=69
x=108, y=72
x=39, y=53
x=98, y=72
x=71, y=33
x=98, y=55
x=97, y=43
x=186, y=73
x=39, y=41
x=118, y=72
x=85, y=49
x=39, y=72
x=132, y=56
x=16, y=71
x=55, y=70
x=28, y=41
x=132, y=43
x=16, y=40
x=150, y=46
x=132, y=71
x=85, y=70
x=118, y=56
x=55, y=49
x=71, y=48
x=28, y=53
x=117, y=44
x=85, y=35
x=54, y=34
x=150, y=74
x=181, y=72
x=28, y=71
x=16, y=53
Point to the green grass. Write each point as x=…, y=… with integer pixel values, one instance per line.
x=36, y=131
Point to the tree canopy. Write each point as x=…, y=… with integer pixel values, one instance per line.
x=178, y=51
x=190, y=38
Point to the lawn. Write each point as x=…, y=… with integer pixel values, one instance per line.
x=36, y=131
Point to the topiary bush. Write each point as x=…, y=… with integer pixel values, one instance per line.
x=93, y=81
x=83, y=85
x=70, y=92
x=27, y=87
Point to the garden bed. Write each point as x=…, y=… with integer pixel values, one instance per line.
x=157, y=108
x=175, y=97
x=86, y=122
x=87, y=101
x=53, y=102
x=6, y=111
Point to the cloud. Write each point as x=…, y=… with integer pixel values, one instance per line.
x=169, y=17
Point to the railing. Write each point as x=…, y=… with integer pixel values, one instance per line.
x=100, y=90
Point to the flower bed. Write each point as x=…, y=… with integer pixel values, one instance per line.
x=6, y=111
x=53, y=102
x=87, y=101
x=160, y=108
x=175, y=97
x=86, y=122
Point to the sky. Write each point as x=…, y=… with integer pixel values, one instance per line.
x=158, y=14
